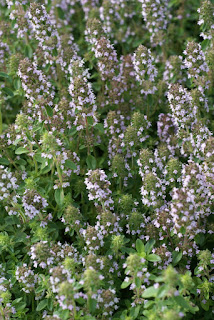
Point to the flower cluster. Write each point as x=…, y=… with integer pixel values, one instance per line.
x=25, y=275
x=156, y=16
x=83, y=103
x=98, y=186
x=183, y=109
x=33, y=203
x=145, y=70
x=103, y=50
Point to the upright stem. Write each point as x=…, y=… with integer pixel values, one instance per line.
x=2, y=312
x=87, y=135
x=0, y=121
x=59, y=172
x=74, y=310
x=33, y=305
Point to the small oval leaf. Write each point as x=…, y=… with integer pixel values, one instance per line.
x=21, y=150
x=153, y=258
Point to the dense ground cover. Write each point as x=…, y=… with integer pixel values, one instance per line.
x=106, y=159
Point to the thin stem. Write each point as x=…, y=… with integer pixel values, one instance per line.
x=87, y=136
x=59, y=172
x=3, y=259
x=0, y=121
x=2, y=312
x=35, y=164
x=33, y=302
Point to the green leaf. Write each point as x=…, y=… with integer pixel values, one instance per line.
x=55, y=52
x=153, y=258
x=134, y=312
x=127, y=250
x=50, y=304
x=39, y=290
x=20, y=237
x=196, y=271
x=42, y=304
x=21, y=150
x=49, y=110
x=100, y=127
x=205, y=306
x=148, y=304
x=173, y=3
x=10, y=220
x=200, y=239
x=65, y=314
x=125, y=284
x=4, y=75
x=140, y=246
x=80, y=301
x=182, y=302
x=91, y=162
x=96, y=86
x=61, y=13
x=28, y=51
x=137, y=282
x=176, y=257
x=59, y=196
x=149, y=245
x=137, y=42
x=4, y=161
x=38, y=158
x=72, y=131
x=205, y=44
x=17, y=84
x=92, y=304
x=150, y=292
x=162, y=291
x=183, y=230
x=17, y=141
x=21, y=162
x=159, y=279
x=20, y=306
x=8, y=91
x=70, y=164
x=46, y=169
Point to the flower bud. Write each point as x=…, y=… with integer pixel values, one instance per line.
x=171, y=314
x=204, y=258
x=187, y=281
x=173, y=170
x=92, y=280
x=145, y=69
x=4, y=240
x=5, y=296
x=170, y=276
x=49, y=141
x=22, y=121
x=107, y=219
x=69, y=264
x=117, y=242
x=134, y=264
x=66, y=289
x=135, y=222
x=126, y=203
x=118, y=166
x=14, y=63
x=145, y=160
x=72, y=217
x=91, y=237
